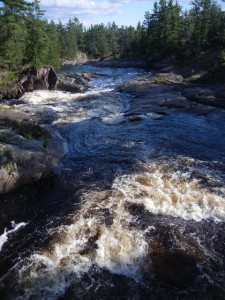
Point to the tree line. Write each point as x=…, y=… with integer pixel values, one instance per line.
x=27, y=38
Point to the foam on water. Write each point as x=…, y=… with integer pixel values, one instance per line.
x=4, y=236
x=73, y=108
x=100, y=235
x=43, y=96
x=119, y=249
x=177, y=193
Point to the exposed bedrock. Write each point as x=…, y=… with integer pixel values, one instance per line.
x=28, y=152
x=45, y=79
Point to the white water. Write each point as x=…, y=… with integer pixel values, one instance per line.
x=120, y=249
x=4, y=236
x=69, y=108
x=163, y=191
x=161, y=187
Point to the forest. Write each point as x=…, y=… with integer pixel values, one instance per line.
x=27, y=38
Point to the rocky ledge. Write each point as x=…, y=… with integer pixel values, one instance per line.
x=162, y=92
x=28, y=152
x=45, y=79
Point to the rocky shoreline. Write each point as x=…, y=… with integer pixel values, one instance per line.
x=30, y=150
x=45, y=79
x=168, y=88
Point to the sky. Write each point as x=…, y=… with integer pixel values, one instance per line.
x=123, y=12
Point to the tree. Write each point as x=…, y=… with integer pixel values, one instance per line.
x=13, y=32
x=37, y=42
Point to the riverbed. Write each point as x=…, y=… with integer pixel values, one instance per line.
x=138, y=211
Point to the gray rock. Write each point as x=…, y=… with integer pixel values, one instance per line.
x=75, y=83
x=28, y=152
x=206, y=95
x=39, y=79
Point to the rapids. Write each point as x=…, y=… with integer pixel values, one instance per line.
x=138, y=212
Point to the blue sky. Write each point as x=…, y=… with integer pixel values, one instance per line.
x=123, y=12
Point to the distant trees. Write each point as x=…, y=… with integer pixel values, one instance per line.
x=168, y=30
x=163, y=28
x=27, y=38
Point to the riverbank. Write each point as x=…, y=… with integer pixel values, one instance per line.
x=140, y=199
x=166, y=89
x=171, y=86
x=30, y=149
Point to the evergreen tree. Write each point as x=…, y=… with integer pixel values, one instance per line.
x=37, y=40
x=113, y=37
x=53, y=57
x=13, y=32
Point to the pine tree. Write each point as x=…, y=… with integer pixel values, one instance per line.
x=13, y=32
x=37, y=43
x=53, y=57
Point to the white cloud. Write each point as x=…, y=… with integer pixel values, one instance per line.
x=84, y=9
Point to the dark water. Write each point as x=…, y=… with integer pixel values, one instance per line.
x=138, y=212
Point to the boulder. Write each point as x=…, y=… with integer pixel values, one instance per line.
x=30, y=80
x=75, y=83
x=39, y=79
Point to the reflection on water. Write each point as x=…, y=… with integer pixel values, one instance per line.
x=138, y=211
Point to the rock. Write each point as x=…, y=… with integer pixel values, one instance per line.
x=39, y=79
x=155, y=94
x=28, y=152
x=46, y=79
x=12, y=91
x=80, y=59
x=206, y=95
x=168, y=77
x=30, y=80
x=75, y=83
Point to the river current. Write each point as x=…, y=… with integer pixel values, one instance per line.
x=138, y=211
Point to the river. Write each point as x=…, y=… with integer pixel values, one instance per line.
x=138, y=211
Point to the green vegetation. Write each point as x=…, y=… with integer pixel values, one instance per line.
x=170, y=31
x=6, y=159
x=25, y=129
x=8, y=77
x=28, y=39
